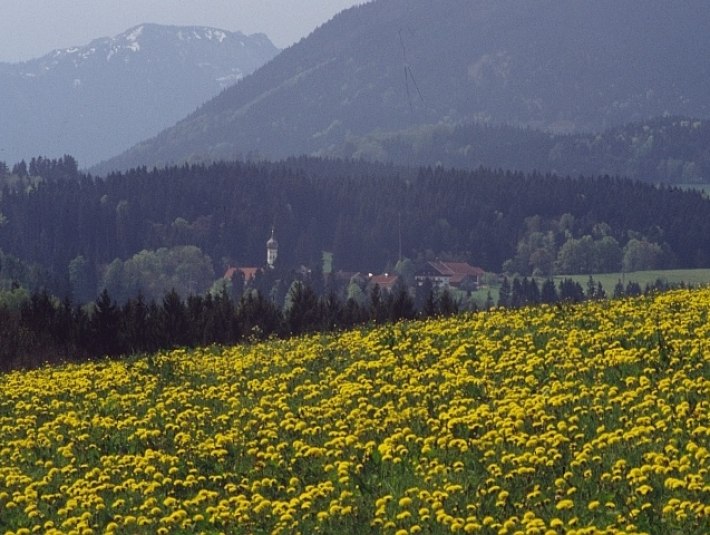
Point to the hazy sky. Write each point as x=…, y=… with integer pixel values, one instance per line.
x=31, y=28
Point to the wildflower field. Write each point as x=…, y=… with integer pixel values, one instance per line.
x=587, y=419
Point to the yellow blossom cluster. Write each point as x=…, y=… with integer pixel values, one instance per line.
x=549, y=420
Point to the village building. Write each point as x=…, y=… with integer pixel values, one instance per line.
x=460, y=275
x=249, y=273
x=346, y=277
x=386, y=282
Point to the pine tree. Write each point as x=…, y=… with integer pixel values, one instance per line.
x=174, y=324
x=377, y=311
x=504, y=294
x=548, y=294
x=105, y=323
x=401, y=305
x=600, y=293
x=489, y=304
x=591, y=288
x=303, y=314
x=446, y=304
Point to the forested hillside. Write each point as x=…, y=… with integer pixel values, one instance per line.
x=223, y=213
x=387, y=65
x=671, y=150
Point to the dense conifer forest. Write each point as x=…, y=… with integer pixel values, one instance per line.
x=670, y=150
x=356, y=211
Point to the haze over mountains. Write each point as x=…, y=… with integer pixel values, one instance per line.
x=96, y=100
x=562, y=66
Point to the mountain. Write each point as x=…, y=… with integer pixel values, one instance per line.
x=671, y=150
x=560, y=65
x=96, y=100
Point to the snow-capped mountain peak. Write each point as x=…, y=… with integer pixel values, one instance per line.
x=208, y=34
x=119, y=84
x=151, y=39
x=135, y=33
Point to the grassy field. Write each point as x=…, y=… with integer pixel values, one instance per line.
x=548, y=420
x=694, y=277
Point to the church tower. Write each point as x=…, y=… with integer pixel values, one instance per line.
x=272, y=250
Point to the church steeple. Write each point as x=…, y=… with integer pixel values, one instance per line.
x=272, y=250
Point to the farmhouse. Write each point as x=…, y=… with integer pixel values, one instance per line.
x=386, y=282
x=456, y=274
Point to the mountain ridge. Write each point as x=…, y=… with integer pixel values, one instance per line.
x=130, y=39
x=394, y=64
x=95, y=99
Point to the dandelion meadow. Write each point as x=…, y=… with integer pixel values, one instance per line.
x=549, y=420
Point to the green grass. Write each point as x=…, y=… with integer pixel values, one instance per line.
x=480, y=296
x=696, y=277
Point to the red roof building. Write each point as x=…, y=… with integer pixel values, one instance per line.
x=456, y=274
x=248, y=272
x=386, y=282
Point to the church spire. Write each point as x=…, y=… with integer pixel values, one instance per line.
x=272, y=250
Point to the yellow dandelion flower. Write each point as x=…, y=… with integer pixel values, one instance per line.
x=564, y=504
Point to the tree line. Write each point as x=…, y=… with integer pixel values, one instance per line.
x=365, y=214
x=550, y=247
x=524, y=291
x=45, y=330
